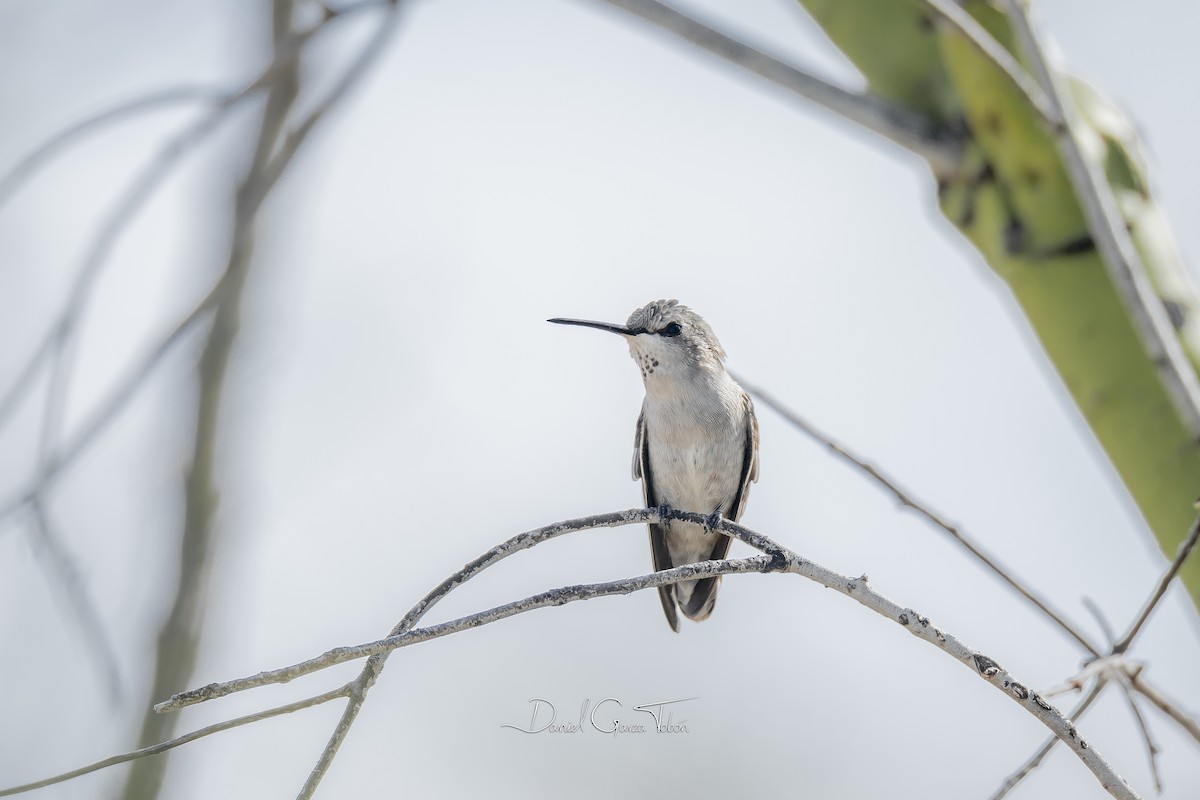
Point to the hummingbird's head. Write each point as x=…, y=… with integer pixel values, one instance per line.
x=666, y=339
x=665, y=336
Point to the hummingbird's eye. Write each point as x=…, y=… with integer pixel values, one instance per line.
x=674, y=329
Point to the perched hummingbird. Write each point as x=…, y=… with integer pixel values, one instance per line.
x=696, y=446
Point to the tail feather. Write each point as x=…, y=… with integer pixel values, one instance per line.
x=703, y=599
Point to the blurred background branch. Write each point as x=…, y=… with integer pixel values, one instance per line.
x=179, y=637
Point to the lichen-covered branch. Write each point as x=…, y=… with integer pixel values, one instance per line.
x=779, y=559
x=1037, y=758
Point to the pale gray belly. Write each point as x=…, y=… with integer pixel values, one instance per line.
x=702, y=476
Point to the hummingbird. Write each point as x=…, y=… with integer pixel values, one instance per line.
x=696, y=444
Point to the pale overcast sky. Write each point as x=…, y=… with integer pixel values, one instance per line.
x=398, y=405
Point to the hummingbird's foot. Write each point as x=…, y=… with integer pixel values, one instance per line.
x=778, y=562
x=714, y=520
x=664, y=512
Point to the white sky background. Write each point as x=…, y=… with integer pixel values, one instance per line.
x=398, y=405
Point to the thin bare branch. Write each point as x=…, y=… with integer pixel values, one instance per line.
x=1112, y=238
x=113, y=404
x=1172, y=709
x=56, y=143
x=151, y=176
x=1181, y=555
x=154, y=173
x=57, y=346
x=63, y=569
x=780, y=559
x=68, y=578
x=1152, y=749
x=900, y=125
x=140, y=190
x=295, y=139
x=25, y=378
x=178, y=638
x=1111, y=667
x=374, y=666
x=1101, y=620
x=515, y=544
x=353, y=74
x=922, y=508
x=163, y=747
x=548, y=599
x=1037, y=758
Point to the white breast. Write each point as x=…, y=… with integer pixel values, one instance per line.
x=697, y=449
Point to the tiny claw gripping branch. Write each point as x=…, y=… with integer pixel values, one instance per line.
x=778, y=563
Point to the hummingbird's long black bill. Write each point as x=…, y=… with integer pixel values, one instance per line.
x=587, y=323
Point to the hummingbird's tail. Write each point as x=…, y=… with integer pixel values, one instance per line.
x=697, y=599
x=662, y=560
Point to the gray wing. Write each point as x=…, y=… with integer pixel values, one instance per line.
x=749, y=462
x=658, y=541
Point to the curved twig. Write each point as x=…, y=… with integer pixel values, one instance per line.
x=57, y=338
x=116, y=401
x=1188, y=723
x=1181, y=555
x=1152, y=749
x=67, y=574
x=547, y=599
x=27, y=165
x=780, y=559
x=163, y=747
